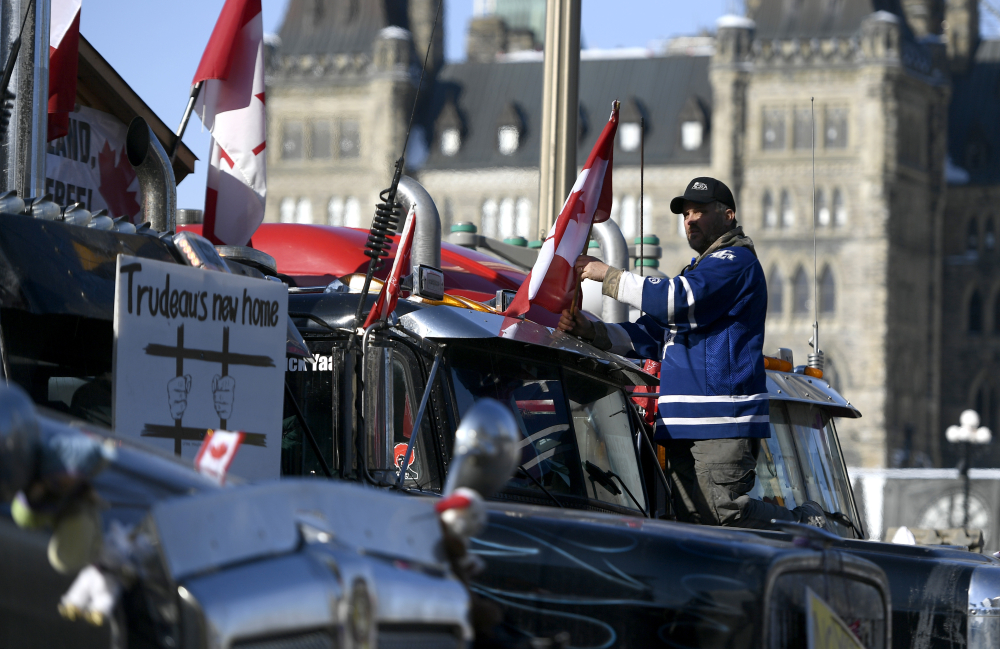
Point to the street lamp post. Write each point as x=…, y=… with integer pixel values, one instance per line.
x=967, y=433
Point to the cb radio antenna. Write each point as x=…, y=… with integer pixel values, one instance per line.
x=388, y=212
x=816, y=357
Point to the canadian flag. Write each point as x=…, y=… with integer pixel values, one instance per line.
x=389, y=295
x=216, y=453
x=552, y=280
x=231, y=105
x=64, y=51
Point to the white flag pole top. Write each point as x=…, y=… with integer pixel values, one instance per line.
x=216, y=454
x=231, y=105
x=64, y=51
x=388, y=296
x=552, y=281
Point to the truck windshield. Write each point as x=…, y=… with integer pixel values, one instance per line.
x=566, y=419
x=801, y=461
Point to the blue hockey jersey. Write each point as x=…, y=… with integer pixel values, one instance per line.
x=707, y=326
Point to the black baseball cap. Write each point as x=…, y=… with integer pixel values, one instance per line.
x=704, y=190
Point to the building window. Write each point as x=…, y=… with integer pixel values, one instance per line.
x=352, y=212
x=522, y=222
x=802, y=131
x=451, y=142
x=800, y=292
x=287, y=210
x=692, y=134
x=775, y=291
x=996, y=314
x=822, y=209
x=774, y=129
x=629, y=216
x=506, y=218
x=291, y=141
x=304, y=211
x=985, y=405
x=770, y=213
x=321, y=140
x=629, y=136
x=975, y=313
x=989, y=237
x=972, y=236
x=508, y=138
x=488, y=218
x=839, y=209
x=335, y=211
x=827, y=292
x=787, y=211
x=835, y=128
x=350, y=139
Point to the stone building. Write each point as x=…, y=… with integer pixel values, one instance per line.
x=901, y=98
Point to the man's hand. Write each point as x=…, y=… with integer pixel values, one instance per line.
x=591, y=268
x=576, y=324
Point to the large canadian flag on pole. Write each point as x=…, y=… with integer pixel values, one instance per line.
x=64, y=50
x=231, y=105
x=551, y=284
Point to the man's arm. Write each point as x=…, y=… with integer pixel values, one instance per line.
x=640, y=339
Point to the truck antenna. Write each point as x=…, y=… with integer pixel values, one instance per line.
x=388, y=212
x=816, y=357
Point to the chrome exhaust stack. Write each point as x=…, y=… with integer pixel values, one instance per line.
x=425, y=258
x=615, y=252
x=156, y=176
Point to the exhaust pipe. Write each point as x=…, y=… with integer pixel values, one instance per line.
x=427, y=230
x=156, y=176
x=615, y=252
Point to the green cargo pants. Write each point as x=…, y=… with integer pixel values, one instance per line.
x=711, y=482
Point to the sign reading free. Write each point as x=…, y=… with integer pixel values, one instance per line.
x=197, y=350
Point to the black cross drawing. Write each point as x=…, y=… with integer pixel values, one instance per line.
x=178, y=432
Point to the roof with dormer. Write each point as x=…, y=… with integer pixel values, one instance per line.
x=483, y=94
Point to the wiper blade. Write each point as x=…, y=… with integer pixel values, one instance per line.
x=548, y=493
x=603, y=478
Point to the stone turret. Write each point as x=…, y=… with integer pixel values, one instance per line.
x=962, y=32
x=730, y=74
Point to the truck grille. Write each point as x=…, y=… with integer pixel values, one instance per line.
x=310, y=640
x=417, y=636
x=855, y=589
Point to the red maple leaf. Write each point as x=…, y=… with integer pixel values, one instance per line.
x=115, y=180
x=218, y=450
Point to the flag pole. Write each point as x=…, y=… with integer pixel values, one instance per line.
x=195, y=91
x=642, y=198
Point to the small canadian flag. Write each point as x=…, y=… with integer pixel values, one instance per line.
x=217, y=453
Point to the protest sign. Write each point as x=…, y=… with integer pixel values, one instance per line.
x=198, y=350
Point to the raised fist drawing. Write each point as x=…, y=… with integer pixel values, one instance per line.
x=177, y=395
x=224, y=394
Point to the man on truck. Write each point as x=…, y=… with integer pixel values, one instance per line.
x=707, y=326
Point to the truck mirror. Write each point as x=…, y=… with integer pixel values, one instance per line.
x=485, y=454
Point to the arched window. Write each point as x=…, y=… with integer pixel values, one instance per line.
x=770, y=214
x=822, y=209
x=839, y=208
x=506, y=218
x=629, y=216
x=352, y=212
x=989, y=236
x=287, y=210
x=985, y=405
x=787, y=211
x=800, y=292
x=304, y=211
x=827, y=291
x=335, y=211
x=775, y=291
x=972, y=236
x=488, y=218
x=522, y=220
x=996, y=314
x=975, y=313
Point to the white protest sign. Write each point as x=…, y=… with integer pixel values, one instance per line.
x=198, y=350
x=89, y=165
